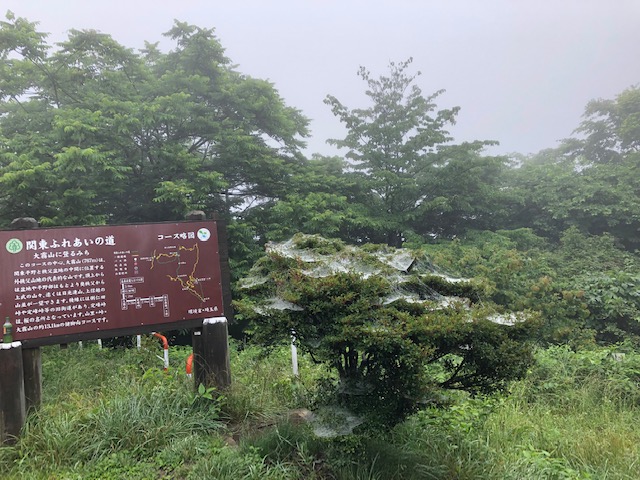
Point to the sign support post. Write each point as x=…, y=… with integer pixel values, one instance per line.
x=12, y=399
x=31, y=357
x=211, y=364
x=215, y=353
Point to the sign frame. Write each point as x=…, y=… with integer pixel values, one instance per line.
x=220, y=281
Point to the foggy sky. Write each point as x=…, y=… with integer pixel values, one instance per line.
x=522, y=71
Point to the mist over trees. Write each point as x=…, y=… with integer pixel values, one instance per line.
x=92, y=132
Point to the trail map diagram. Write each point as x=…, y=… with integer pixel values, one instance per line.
x=188, y=281
x=128, y=291
x=179, y=265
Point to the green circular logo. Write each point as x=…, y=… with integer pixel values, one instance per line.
x=14, y=246
x=204, y=234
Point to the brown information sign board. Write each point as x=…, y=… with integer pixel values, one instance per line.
x=63, y=282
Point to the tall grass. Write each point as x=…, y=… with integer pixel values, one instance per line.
x=111, y=414
x=576, y=416
x=106, y=411
x=264, y=386
x=577, y=413
x=101, y=403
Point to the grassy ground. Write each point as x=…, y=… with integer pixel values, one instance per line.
x=114, y=414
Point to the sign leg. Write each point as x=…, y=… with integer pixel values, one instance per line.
x=211, y=364
x=32, y=365
x=12, y=399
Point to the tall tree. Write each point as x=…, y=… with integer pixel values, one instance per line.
x=323, y=197
x=92, y=132
x=610, y=129
x=397, y=145
x=589, y=182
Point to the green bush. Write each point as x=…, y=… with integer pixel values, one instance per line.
x=378, y=320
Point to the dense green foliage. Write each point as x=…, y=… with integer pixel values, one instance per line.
x=415, y=180
x=392, y=335
x=586, y=287
x=91, y=132
x=112, y=414
x=588, y=182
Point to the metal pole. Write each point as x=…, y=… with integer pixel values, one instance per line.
x=294, y=355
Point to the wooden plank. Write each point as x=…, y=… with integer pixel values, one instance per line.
x=121, y=332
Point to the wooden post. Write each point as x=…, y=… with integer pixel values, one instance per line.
x=32, y=367
x=225, y=269
x=211, y=365
x=31, y=357
x=12, y=400
x=215, y=337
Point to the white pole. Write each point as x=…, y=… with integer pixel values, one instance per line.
x=294, y=355
x=139, y=341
